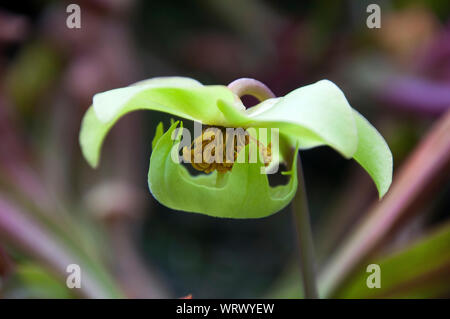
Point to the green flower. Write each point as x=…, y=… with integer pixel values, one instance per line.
x=310, y=116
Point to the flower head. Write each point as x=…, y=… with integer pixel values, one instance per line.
x=313, y=115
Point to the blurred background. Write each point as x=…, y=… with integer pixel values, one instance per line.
x=55, y=210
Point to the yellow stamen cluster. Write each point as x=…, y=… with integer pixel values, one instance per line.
x=202, y=153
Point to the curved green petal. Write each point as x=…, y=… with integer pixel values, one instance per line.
x=373, y=154
x=92, y=134
x=313, y=115
x=242, y=193
x=184, y=97
x=319, y=114
x=181, y=97
x=108, y=104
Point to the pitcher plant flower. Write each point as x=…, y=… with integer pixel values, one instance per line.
x=310, y=116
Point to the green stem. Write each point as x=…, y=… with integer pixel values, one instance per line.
x=300, y=214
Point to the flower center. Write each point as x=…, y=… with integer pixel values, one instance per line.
x=218, y=149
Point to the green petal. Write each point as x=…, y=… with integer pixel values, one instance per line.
x=242, y=193
x=92, y=134
x=373, y=154
x=181, y=97
x=313, y=115
x=319, y=114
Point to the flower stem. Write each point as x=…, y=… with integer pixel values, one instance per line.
x=302, y=223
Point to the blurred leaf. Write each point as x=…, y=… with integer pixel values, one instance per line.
x=421, y=270
x=419, y=176
x=39, y=283
x=33, y=72
x=25, y=234
x=288, y=285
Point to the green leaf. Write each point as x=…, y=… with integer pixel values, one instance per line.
x=178, y=96
x=39, y=283
x=242, y=193
x=32, y=73
x=419, y=270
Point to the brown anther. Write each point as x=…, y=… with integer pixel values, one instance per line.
x=207, y=161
